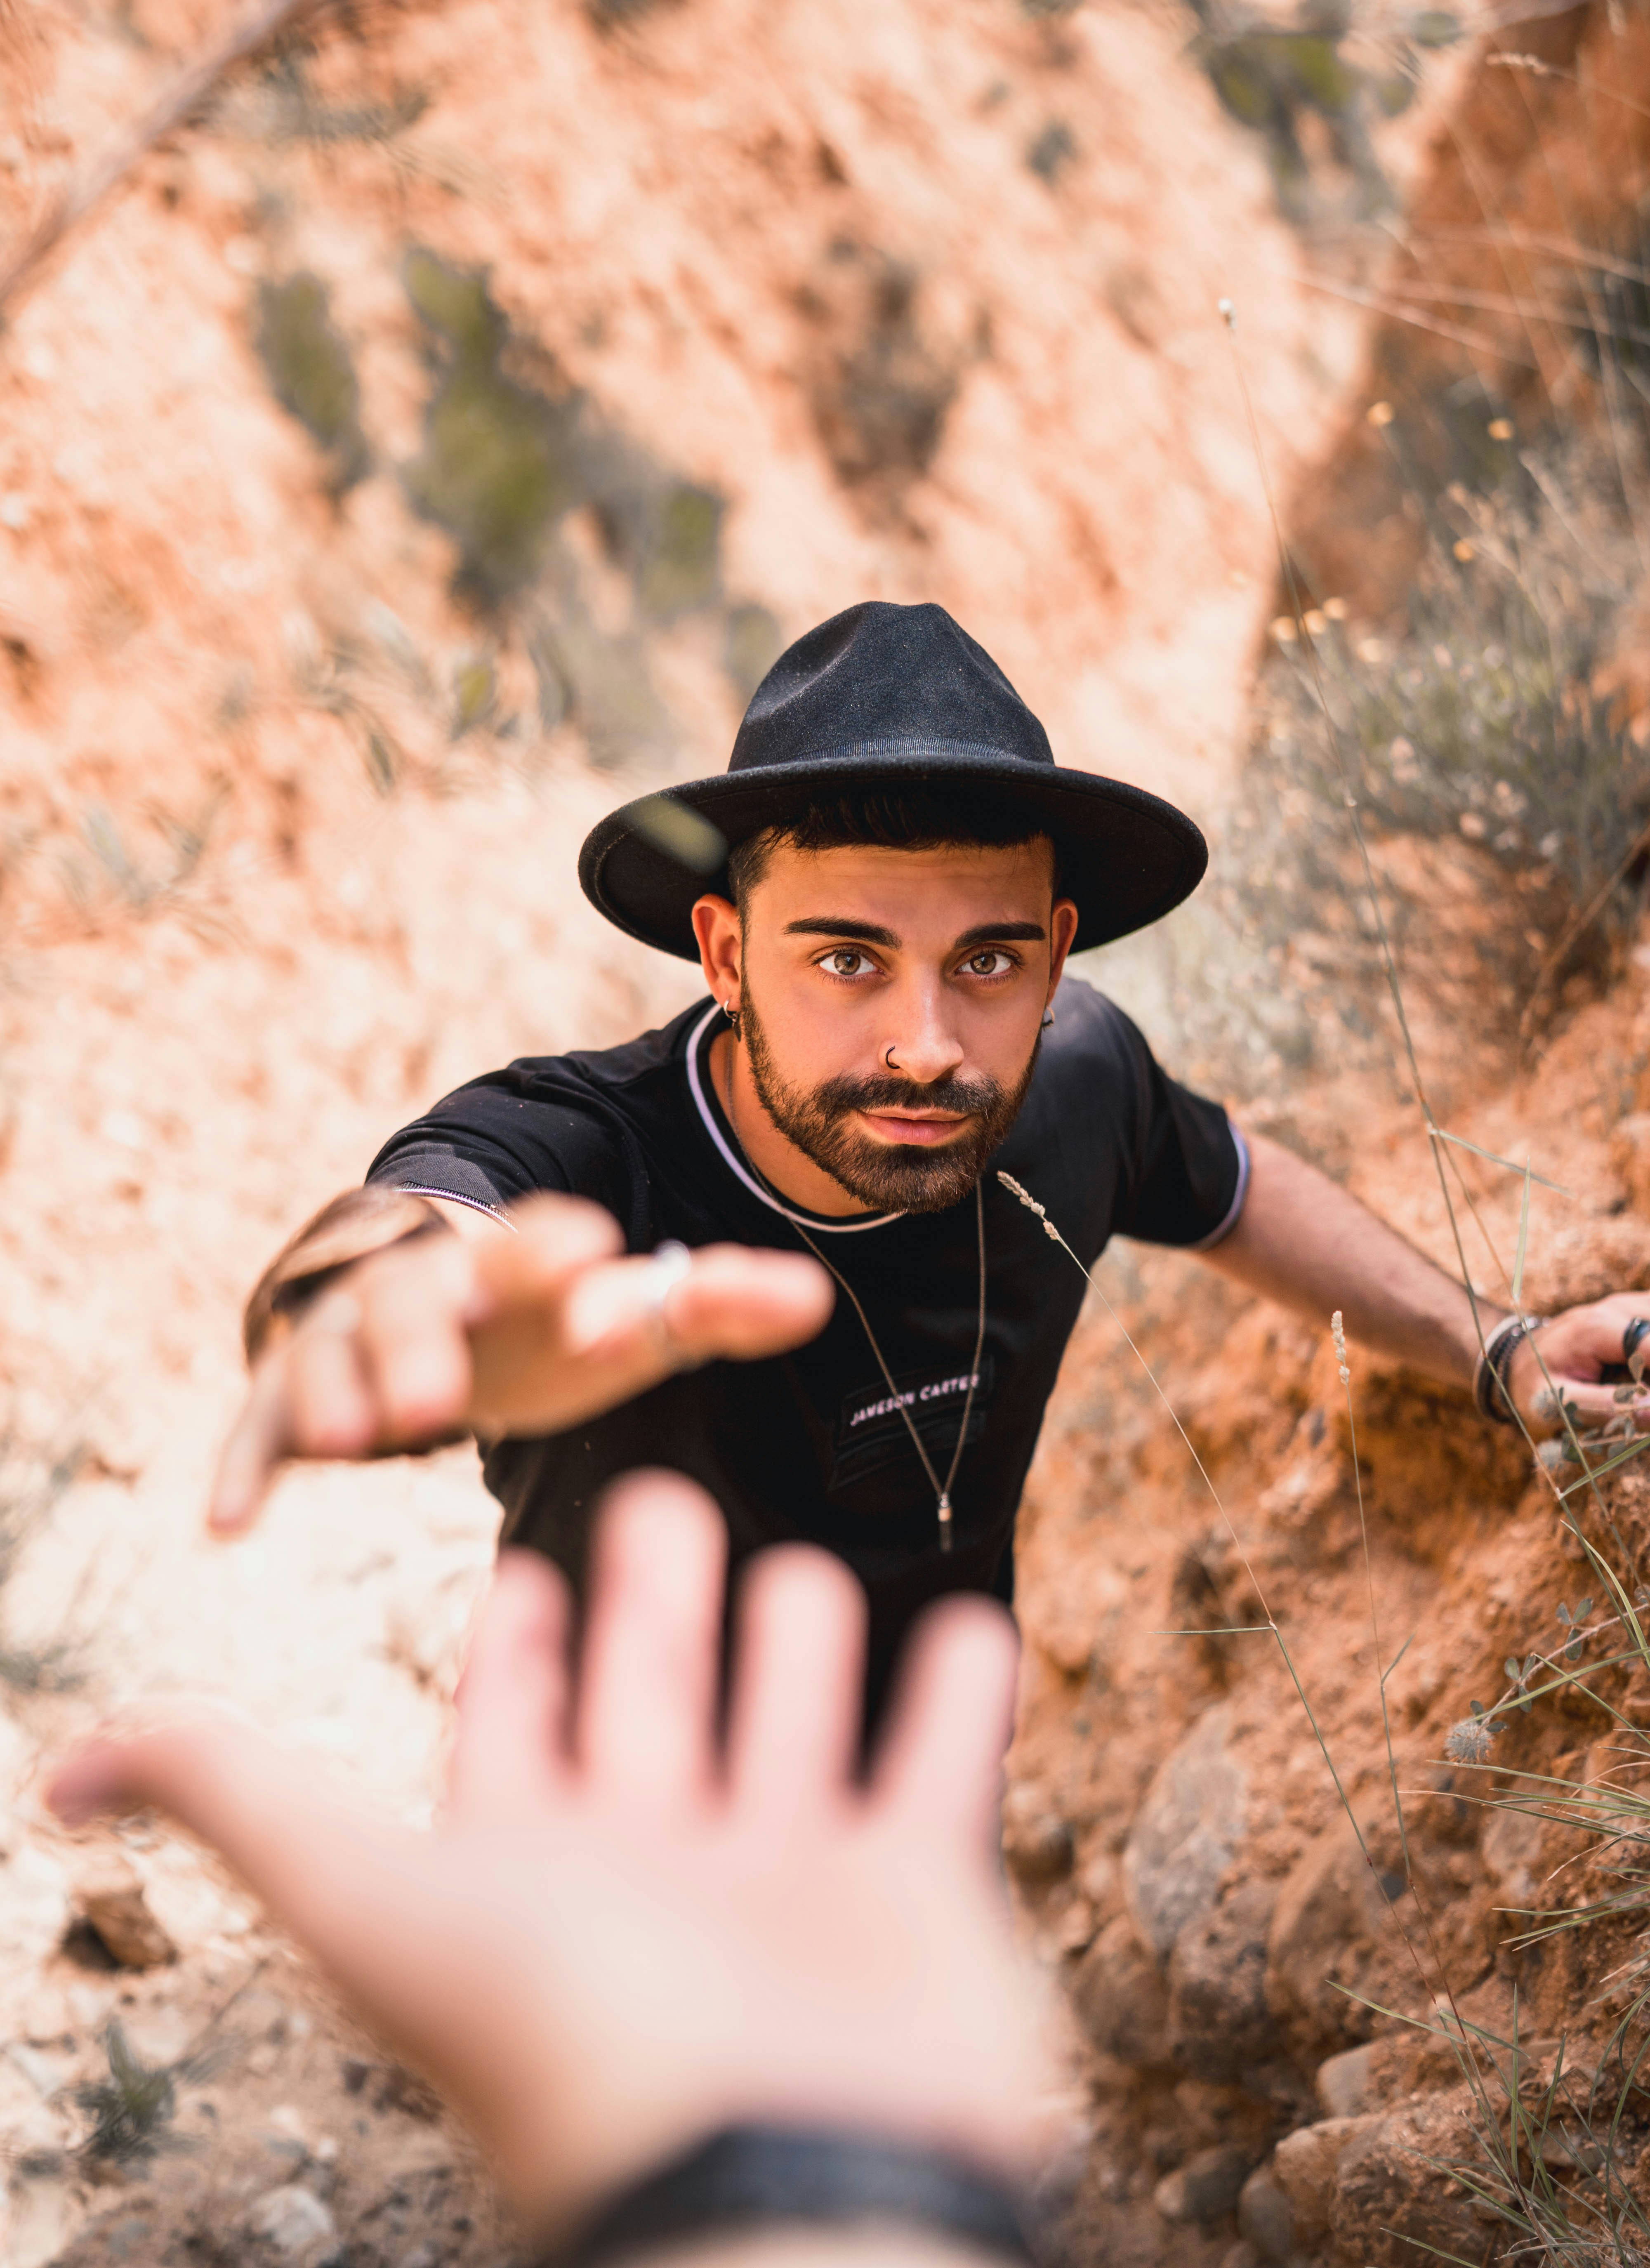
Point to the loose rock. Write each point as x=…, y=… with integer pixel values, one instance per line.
x=1208, y=2184
x=1324, y=1944
x=1184, y=1832
x=1390, y=2203
x=1219, y=2024
x=1344, y=2084
x=1120, y=1998
x=1304, y=2166
x=295, y=2221
x=109, y=1897
x=1265, y=2216
x=1037, y=1843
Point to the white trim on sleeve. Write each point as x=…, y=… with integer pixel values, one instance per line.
x=1215, y=1235
x=452, y=1196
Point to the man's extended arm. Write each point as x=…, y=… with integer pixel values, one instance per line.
x=1302, y=1240
x=433, y=1334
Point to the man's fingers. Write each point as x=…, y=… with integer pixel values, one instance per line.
x=412, y=1344
x=731, y=1300
x=745, y=1304
x=939, y=1768
x=556, y=1238
x=256, y=1444
x=647, y=1694
x=509, y=1741
x=561, y=1342
x=331, y=1411
x=798, y=1662
x=1593, y=1405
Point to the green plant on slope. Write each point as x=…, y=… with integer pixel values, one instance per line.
x=1503, y=797
x=133, y=2106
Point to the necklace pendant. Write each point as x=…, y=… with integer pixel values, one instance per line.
x=944, y=1508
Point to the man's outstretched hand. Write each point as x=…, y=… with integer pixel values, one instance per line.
x=621, y=1936
x=508, y=1334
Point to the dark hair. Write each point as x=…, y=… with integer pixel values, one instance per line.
x=913, y=819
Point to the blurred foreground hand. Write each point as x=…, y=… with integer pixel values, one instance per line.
x=620, y=1937
x=510, y=1334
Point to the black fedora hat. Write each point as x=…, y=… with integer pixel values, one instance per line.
x=879, y=699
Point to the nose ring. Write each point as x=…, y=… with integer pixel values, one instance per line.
x=888, y=1060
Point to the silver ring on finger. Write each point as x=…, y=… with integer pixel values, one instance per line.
x=666, y=1265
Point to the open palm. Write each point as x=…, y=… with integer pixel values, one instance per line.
x=620, y=1937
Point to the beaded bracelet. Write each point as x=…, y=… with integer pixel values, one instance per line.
x=1489, y=1379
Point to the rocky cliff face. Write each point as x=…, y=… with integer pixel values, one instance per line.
x=1271, y=1973
x=1342, y=2000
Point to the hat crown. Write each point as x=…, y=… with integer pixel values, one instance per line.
x=882, y=676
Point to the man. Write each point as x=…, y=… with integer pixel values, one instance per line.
x=881, y=892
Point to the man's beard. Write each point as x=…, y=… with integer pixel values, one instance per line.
x=900, y=1177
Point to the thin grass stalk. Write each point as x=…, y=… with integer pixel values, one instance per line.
x=1344, y=1370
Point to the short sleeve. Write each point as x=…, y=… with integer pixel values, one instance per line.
x=1190, y=1168
x=494, y=1141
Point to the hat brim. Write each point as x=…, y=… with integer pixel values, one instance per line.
x=1126, y=857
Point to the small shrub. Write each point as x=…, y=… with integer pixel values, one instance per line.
x=313, y=374
x=495, y=469
x=132, y=2108
x=1500, y=790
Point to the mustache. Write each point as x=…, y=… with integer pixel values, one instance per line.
x=972, y=1097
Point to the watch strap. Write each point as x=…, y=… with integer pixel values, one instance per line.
x=746, y=2177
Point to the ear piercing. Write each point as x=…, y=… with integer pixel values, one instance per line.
x=732, y=1015
x=1048, y=1018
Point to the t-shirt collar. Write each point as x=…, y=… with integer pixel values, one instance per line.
x=716, y=1126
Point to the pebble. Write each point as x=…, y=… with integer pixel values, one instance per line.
x=1037, y=1842
x=1185, y=1831
x=1120, y=1999
x=1345, y=2082
x=293, y=2219
x=111, y=1899
x=1207, y=2185
x=1266, y=2218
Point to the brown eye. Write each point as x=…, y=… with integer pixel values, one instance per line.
x=991, y=963
x=847, y=961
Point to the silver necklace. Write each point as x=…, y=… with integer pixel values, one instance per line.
x=942, y=1490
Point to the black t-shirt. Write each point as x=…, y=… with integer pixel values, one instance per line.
x=808, y=1445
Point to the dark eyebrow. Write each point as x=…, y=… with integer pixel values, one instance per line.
x=862, y=933
x=1002, y=933
x=873, y=933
